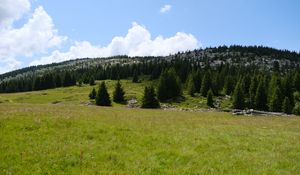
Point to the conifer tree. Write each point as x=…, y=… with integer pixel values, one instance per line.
x=58, y=81
x=252, y=91
x=296, y=109
x=135, y=78
x=275, y=101
x=273, y=84
x=286, y=106
x=297, y=82
x=191, y=85
x=69, y=80
x=92, y=81
x=198, y=81
x=206, y=84
x=169, y=85
x=238, y=97
x=102, y=97
x=210, y=100
x=149, y=98
x=261, y=96
x=119, y=93
x=229, y=85
x=287, y=87
x=93, y=94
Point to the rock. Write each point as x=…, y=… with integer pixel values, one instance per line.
x=133, y=103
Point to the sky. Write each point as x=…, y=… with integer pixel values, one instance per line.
x=36, y=32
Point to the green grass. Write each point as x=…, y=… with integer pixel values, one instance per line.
x=69, y=137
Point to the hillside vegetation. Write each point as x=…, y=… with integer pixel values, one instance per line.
x=259, y=78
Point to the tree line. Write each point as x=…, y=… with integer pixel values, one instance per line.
x=249, y=86
x=261, y=90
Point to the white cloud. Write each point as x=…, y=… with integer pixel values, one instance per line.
x=137, y=42
x=166, y=8
x=11, y=10
x=35, y=36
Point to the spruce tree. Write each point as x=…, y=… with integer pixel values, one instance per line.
x=198, y=81
x=206, y=84
x=238, y=97
x=287, y=87
x=252, y=91
x=228, y=85
x=275, y=101
x=210, y=100
x=191, y=85
x=58, y=81
x=296, y=81
x=135, y=78
x=92, y=81
x=286, y=106
x=149, y=98
x=273, y=84
x=119, y=93
x=261, y=96
x=169, y=85
x=296, y=109
x=93, y=94
x=102, y=97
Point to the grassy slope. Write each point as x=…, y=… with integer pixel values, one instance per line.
x=79, y=95
x=71, y=138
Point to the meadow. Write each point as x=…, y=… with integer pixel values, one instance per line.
x=56, y=132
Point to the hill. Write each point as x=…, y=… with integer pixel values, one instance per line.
x=251, y=77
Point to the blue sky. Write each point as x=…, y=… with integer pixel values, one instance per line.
x=213, y=22
x=87, y=28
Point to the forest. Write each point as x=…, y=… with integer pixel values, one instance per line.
x=254, y=77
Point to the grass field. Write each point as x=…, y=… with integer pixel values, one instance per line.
x=54, y=132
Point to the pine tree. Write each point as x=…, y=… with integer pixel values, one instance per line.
x=191, y=85
x=296, y=109
x=275, y=101
x=287, y=87
x=119, y=93
x=273, y=84
x=80, y=83
x=210, y=101
x=169, y=85
x=198, y=81
x=252, y=91
x=69, y=80
x=261, y=96
x=92, y=81
x=238, y=97
x=206, y=84
x=228, y=85
x=296, y=81
x=102, y=97
x=135, y=78
x=93, y=94
x=149, y=98
x=286, y=106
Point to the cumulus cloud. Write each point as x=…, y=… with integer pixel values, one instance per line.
x=137, y=42
x=12, y=10
x=37, y=35
x=165, y=9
